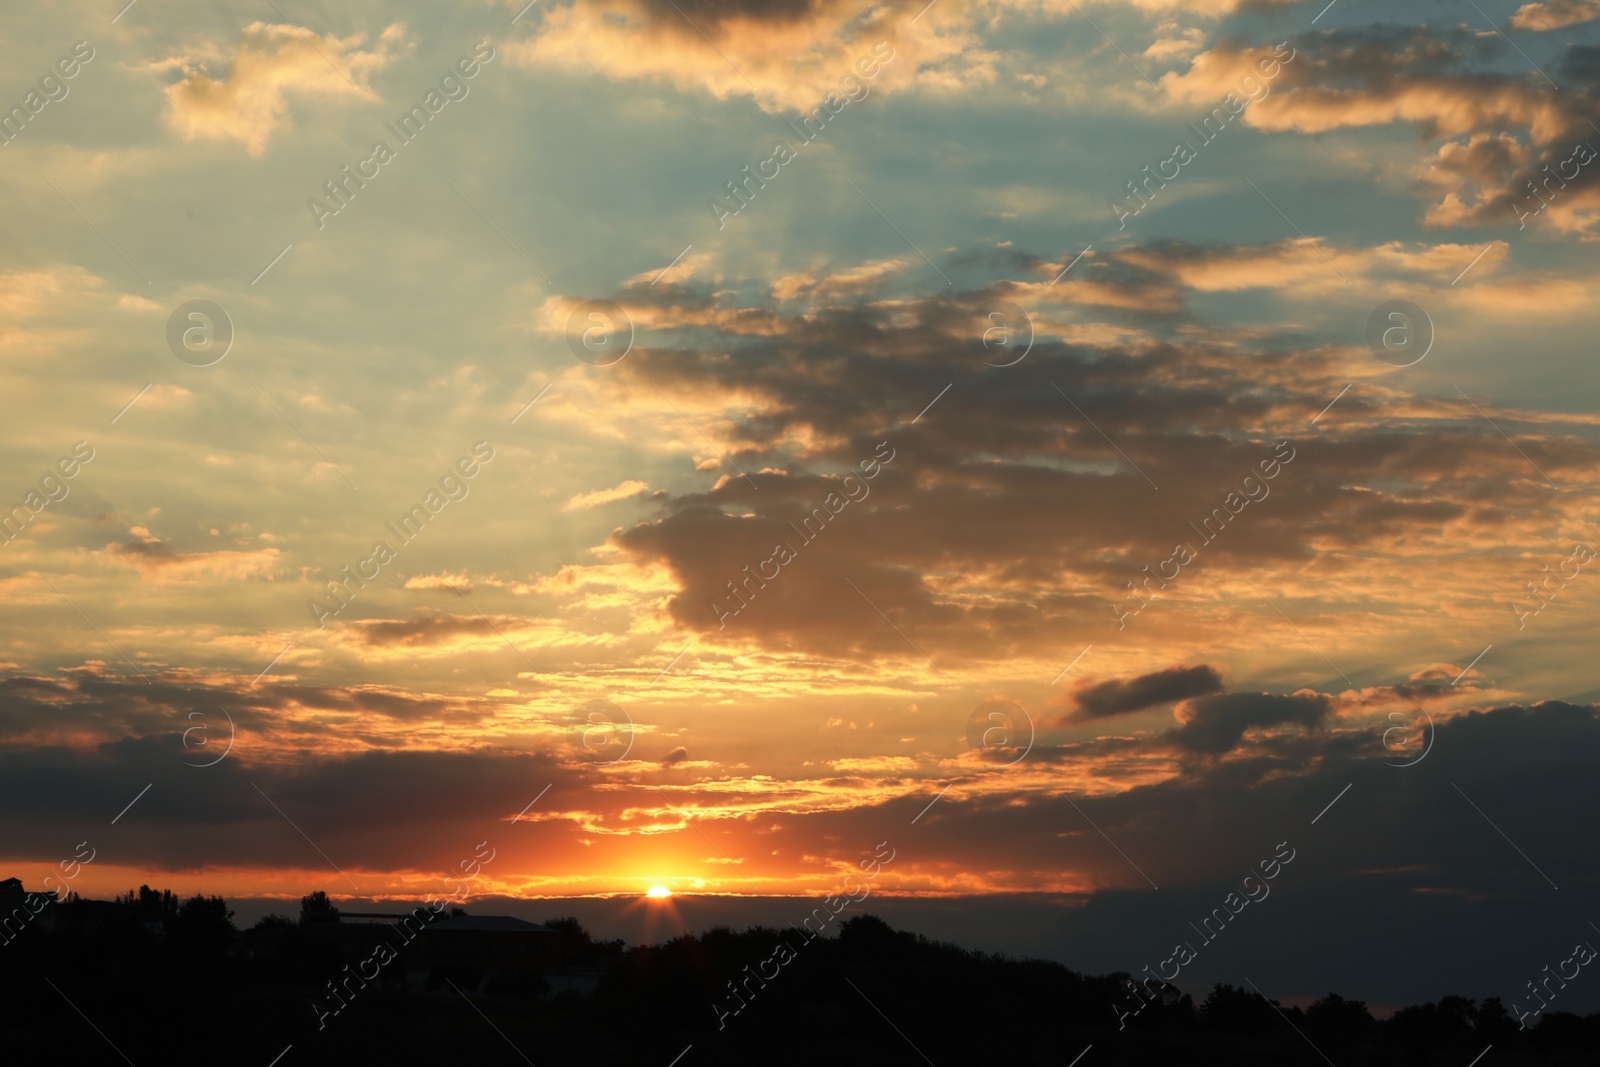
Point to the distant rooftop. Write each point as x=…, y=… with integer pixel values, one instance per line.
x=497, y=924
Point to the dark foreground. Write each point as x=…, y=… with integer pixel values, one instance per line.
x=152, y=981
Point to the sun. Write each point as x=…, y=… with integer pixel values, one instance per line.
x=659, y=892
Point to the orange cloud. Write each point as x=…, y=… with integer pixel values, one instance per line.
x=157, y=559
x=1452, y=105
x=1555, y=14
x=1297, y=263
x=788, y=55
x=248, y=103
x=622, y=491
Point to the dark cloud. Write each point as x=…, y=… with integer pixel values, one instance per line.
x=88, y=706
x=378, y=810
x=1403, y=848
x=1496, y=126
x=146, y=550
x=715, y=12
x=1123, y=697
x=1215, y=724
x=1005, y=522
x=1581, y=63
x=426, y=630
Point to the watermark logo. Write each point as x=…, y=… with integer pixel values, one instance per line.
x=1000, y=731
x=1411, y=737
x=1007, y=334
x=599, y=332
x=200, y=333
x=195, y=741
x=599, y=732
x=1400, y=333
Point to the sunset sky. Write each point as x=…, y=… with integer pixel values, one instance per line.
x=1008, y=322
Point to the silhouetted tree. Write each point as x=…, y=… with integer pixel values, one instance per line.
x=203, y=923
x=576, y=948
x=1424, y=1032
x=1236, y=1011
x=1494, y=1025
x=1337, y=1023
x=317, y=909
x=154, y=909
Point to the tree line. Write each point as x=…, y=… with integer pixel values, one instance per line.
x=171, y=980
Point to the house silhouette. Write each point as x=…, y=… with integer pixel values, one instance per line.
x=492, y=942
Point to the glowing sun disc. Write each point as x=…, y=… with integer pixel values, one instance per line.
x=659, y=892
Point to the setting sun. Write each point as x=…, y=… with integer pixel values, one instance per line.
x=659, y=892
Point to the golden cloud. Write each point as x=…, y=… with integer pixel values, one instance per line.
x=622, y=491
x=249, y=102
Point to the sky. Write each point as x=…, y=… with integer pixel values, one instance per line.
x=1085, y=445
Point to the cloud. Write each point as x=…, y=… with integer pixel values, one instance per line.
x=1379, y=76
x=584, y=501
x=865, y=277
x=1555, y=14
x=1212, y=8
x=1123, y=697
x=1006, y=524
x=446, y=582
x=785, y=55
x=1301, y=264
x=1213, y=725
x=86, y=706
x=377, y=811
x=1184, y=42
x=157, y=559
x=1495, y=129
x=248, y=103
x=1491, y=123
x=429, y=630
